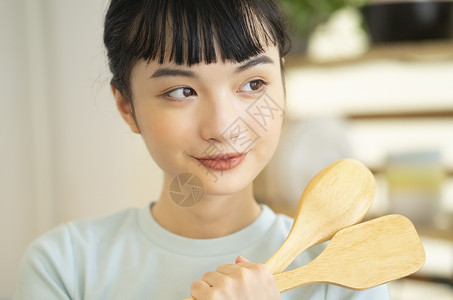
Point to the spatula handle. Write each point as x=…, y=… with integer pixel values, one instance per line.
x=290, y=248
x=291, y=279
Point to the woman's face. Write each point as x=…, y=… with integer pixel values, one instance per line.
x=219, y=121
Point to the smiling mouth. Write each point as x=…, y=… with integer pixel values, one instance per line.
x=222, y=161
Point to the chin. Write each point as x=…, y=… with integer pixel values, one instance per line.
x=228, y=182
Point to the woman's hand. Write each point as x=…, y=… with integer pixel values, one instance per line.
x=244, y=280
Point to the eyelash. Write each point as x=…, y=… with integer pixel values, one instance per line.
x=176, y=99
x=260, y=89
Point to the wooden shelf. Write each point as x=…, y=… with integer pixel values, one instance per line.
x=446, y=114
x=434, y=114
x=436, y=50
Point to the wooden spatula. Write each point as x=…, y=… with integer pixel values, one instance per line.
x=363, y=256
x=337, y=197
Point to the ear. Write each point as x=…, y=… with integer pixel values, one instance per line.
x=125, y=108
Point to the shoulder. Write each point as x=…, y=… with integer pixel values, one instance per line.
x=52, y=246
x=46, y=269
x=58, y=244
x=49, y=264
x=63, y=233
x=103, y=228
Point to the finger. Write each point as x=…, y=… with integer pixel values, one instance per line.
x=244, y=262
x=241, y=259
x=213, y=278
x=257, y=268
x=236, y=272
x=227, y=269
x=198, y=289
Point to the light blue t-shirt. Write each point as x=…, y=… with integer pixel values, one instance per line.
x=128, y=255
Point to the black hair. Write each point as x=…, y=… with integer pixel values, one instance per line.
x=186, y=32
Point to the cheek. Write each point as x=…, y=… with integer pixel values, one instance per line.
x=267, y=144
x=267, y=118
x=163, y=134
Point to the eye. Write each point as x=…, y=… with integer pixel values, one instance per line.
x=253, y=86
x=181, y=92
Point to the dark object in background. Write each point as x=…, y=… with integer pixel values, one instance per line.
x=409, y=20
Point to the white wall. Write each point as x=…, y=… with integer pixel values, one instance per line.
x=65, y=152
x=386, y=85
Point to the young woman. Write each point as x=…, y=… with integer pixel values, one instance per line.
x=202, y=83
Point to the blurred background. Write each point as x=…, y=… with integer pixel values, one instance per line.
x=371, y=80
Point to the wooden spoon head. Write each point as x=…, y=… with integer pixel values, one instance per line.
x=362, y=256
x=337, y=197
x=372, y=253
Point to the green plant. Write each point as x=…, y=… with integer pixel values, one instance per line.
x=306, y=15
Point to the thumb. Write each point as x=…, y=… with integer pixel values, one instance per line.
x=241, y=259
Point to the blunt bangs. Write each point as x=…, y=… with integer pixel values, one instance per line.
x=189, y=32
x=185, y=32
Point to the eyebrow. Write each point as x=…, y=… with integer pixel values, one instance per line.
x=161, y=72
x=261, y=59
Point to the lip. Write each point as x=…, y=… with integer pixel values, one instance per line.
x=222, y=161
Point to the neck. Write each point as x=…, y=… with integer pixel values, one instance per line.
x=213, y=216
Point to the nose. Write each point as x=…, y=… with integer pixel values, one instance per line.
x=217, y=116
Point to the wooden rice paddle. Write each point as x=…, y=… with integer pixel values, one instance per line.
x=363, y=256
x=337, y=197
